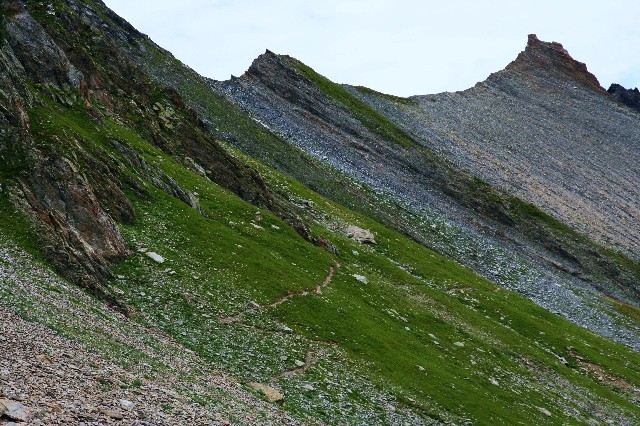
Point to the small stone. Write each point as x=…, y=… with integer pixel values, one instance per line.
x=299, y=363
x=155, y=256
x=127, y=404
x=270, y=393
x=13, y=410
x=493, y=381
x=421, y=368
x=43, y=358
x=544, y=411
x=56, y=408
x=361, y=278
x=460, y=344
x=114, y=414
x=308, y=387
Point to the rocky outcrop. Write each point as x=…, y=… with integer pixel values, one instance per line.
x=629, y=97
x=82, y=237
x=79, y=237
x=362, y=235
x=72, y=187
x=13, y=410
x=543, y=60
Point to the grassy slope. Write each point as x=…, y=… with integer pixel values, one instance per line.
x=221, y=264
x=499, y=329
x=368, y=116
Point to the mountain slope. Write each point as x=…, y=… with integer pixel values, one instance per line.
x=428, y=198
x=113, y=175
x=543, y=129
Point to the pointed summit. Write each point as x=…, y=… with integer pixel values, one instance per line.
x=551, y=59
x=265, y=64
x=276, y=72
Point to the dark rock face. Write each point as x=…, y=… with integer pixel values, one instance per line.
x=629, y=97
x=39, y=55
x=83, y=239
x=75, y=193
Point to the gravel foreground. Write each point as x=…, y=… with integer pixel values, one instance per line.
x=48, y=379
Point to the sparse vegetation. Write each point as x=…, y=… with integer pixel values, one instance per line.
x=368, y=116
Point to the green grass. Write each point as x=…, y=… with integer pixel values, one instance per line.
x=368, y=116
x=499, y=329
x=506, y=327
x=15, y=226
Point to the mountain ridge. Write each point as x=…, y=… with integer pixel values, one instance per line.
x=183, y=202
x=517, y=82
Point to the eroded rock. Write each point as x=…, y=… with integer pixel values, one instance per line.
x=272, y=395
x=14, y=410
x=362, y=235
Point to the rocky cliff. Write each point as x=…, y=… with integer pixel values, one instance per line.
x=71, y=185
x=629, y=97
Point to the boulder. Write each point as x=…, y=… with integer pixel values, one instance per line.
x=359, y=234
x=270, y=393
x=155, y=256
x=13, y=410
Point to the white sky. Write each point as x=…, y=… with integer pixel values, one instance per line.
x=402, y=47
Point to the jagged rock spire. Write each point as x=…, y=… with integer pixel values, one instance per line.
x=552, y=59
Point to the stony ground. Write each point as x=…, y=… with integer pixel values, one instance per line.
x=133, y=376
x=544, y=130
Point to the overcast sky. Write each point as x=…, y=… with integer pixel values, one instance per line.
x=402, y=47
